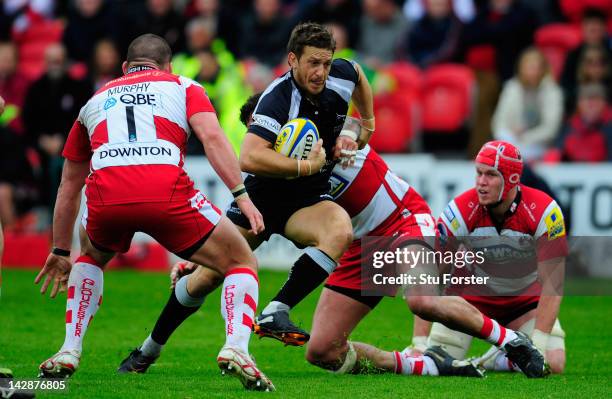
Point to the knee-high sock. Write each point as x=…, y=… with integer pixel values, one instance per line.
x=179, y=307
x=239, y=298
x=85, y=286
x=495, y=333
x=407, y=364
x=308, y=272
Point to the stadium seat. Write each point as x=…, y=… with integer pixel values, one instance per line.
x=43, y=31
x=26, y=250
x=447, y=97
x=406, y=76
x=481, y=58
x=573, y=9
x=397, y=118
x=555, y=41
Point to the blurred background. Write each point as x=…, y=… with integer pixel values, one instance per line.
x=448, y=75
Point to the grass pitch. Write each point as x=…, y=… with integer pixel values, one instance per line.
x=32, y=329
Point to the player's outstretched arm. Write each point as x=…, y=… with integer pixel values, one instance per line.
x=57, y=267
x=258, y=157
x=363, y=100
x=223, y=160
x=218, y=148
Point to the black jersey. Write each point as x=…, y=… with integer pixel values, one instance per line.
x=283, y=101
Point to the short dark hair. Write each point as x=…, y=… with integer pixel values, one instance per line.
x=591, y=13
x=247, y=109
x=310, y=34
x=149, y=47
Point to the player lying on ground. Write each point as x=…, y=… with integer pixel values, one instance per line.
x=127, y=148
x=498, y=206
x=396, y=211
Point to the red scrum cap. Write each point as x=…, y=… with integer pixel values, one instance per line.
x=506, y=159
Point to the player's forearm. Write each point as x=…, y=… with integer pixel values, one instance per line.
x=223, y=160
x=547, y=312
x=64, y=216
x=363, y=100
x=68, y=202
x=266, y=162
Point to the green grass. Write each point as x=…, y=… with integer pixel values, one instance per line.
x=32, y=329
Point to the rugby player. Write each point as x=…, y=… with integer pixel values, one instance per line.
x=293, y=194
x=499, y=206
x=127, y=147
x=380, y=204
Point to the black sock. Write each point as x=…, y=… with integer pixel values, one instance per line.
x=305, y=276
x=171, y=317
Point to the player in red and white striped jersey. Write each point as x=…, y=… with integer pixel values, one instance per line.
x=382, y=204
x=500, y=213
x=127, y=148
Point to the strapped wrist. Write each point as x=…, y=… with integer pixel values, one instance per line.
x=60, y=251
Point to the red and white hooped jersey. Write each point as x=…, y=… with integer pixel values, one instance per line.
x=374, y=196
x=533, y=217
x=134, y=131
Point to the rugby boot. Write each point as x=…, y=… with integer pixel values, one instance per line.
x=277, y=325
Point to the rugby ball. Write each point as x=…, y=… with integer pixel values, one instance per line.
x=296, y=138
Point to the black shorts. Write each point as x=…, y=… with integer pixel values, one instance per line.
x=369, y=301
x=275, y=214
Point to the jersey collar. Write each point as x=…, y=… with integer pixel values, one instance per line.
x=139, y=68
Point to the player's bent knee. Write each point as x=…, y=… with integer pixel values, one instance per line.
x=327, y=356
x=422, y=306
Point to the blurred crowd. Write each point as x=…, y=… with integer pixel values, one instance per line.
x=448, y=75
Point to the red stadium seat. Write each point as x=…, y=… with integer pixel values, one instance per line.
x=573, y=9
x=405, y=75
x=481, y=58
x=555, y=41
x=396, y=121
x=447, y=97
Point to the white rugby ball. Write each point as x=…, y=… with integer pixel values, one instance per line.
x=296, y=138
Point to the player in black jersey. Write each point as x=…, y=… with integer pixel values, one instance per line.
x=318, y=88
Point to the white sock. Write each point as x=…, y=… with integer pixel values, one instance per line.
x=239, y=298
x=275, y=306
x=85, y=286
x=500, y=362
x=407, y=364
x=150, y=347
x=496, y=334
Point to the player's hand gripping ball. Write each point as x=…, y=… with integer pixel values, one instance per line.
x=296, y=138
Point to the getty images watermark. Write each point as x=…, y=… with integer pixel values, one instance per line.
x=406, y=260
x=475, y=265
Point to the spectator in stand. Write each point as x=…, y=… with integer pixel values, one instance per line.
x=342, y=12
x=51, y=106
x=595, y=66
x=507, y=25
x=227, y=91
x=13, y=87
x=435, y=37
x=106, y=64
x=265, y=33
x=587, y=135
x=222, y=16
x=16, y=178
x=161, y=19
x=530, y=108
x=465, y=10
x=382, y=26
x=201, y=36
x=594, y=34
x=89, y=22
